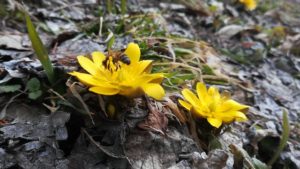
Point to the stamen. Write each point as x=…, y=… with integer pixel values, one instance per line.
x=111, y=65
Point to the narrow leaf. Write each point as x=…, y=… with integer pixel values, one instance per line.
x=284, y=137
x=39, y=48
x=111, y=41
x=123, y=7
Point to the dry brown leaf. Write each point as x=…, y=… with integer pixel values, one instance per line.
x=175, y=110
x=3, y=122
x=156, y=120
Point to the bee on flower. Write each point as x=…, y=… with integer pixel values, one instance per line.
x=213, y=106
x=120, y=73
x=249, y=4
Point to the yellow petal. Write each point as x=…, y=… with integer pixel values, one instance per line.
x=138, y=68
x=201, y=91
x=86, y=78
x=153, y=78
x=185, y=104
x=214, y=92
x=215, y=122
x=230, y=105
x=240, y=116
x=250, y=4
x=154, y=90
x=142, y=79
x=87, y=65
x=190, y=97
x=130, y=91
x=144, y=66
x=231, y=116
x=133, y=52
x=98, y=58
x=104, y=90
x=200, y=111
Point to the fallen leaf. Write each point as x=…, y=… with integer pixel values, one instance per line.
x=175, y=110
x=156, y=120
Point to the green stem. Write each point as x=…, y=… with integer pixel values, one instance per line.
x=284, y=137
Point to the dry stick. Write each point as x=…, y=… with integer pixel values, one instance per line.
x=102, y=148
x=57, y=94
x=62, y=98
x=169, y=45
x=175, y=110
x=71, y=5
x=213, y=77
x=229, y=80
x=177, y=64
x=3, y=111
x=77, y=95
x=193, y=130
x=199, y=75
x=102, y=104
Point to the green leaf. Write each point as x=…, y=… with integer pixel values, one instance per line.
x=34, y=95
x=111, y=41
x=33, y=85
x=9, y=88
x=39, y=48
x=207, y=70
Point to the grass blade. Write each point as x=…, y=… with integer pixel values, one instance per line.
x=39, y=48
x=284, y=137
x=109, y=6
x=123, y=7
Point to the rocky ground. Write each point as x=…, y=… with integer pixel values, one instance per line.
x=253, y=54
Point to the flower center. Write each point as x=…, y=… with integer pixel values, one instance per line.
x=111, y=64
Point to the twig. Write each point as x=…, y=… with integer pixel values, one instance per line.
x=102, y=148
x=71, y=5
x=177, y=65
x=76, y=94
x=3, y=111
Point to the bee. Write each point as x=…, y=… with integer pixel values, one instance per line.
x=123, y=58
x=116, y=57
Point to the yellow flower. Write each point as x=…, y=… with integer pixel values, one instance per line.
x=249, y=4
x=209, y=104
x=108, y=76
